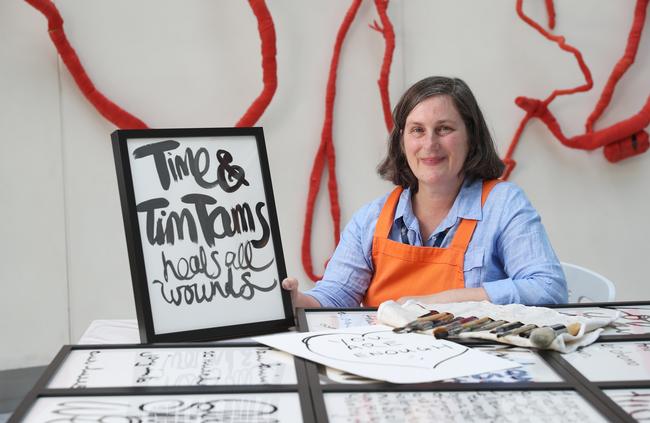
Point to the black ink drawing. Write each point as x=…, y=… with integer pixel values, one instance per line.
x=165, y=410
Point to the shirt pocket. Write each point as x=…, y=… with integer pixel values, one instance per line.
x=473, y=268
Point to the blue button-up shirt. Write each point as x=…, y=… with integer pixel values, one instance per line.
x=510, y=255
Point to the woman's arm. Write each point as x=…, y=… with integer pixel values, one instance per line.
x=450, y=296
x=533, y=274
x=349, y=270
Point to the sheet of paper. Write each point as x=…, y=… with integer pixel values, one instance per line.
x=377, y=352
x=104, y=368
x=635, y=402
x=323, y=320
x=632, y=320
x=253, y=407
x=462, y=407
x=532, y=369
x=613, y=361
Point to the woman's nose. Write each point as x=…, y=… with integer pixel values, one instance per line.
x=432, y=140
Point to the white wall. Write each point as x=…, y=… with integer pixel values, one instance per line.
x=197, y=63
x=33, y=279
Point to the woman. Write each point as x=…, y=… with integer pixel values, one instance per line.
x=450, y=231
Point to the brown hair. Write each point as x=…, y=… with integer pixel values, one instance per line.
x=482, y=159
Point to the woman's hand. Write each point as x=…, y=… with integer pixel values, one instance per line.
x=298, y=299
x=450, y=296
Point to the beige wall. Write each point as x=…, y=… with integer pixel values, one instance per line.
x=197, y=63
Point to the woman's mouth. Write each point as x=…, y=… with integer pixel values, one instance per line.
x=432, y=161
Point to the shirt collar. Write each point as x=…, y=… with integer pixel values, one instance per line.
x=467, y=205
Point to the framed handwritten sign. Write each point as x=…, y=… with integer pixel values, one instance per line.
x=202, y=233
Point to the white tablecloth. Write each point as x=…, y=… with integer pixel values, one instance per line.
x=121, y=332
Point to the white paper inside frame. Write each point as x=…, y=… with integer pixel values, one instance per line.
x=258, y=407
x=228, y=275
x=174, y=367
x=533, y=369
x=324, y=320
x=635, y=402
x=633, y=319
x=483, y=406
x=615, y=361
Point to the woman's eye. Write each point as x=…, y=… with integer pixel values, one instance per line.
x=417, y=130
x=444, y=130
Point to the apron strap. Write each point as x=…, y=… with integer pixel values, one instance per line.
x=466, y=227
x=385, y=220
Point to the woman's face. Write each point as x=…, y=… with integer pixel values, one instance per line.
x=435, y=142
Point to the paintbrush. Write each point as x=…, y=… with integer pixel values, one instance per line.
x=544, y=336
x=424, y=322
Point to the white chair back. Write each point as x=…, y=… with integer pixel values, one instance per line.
x=587, y=286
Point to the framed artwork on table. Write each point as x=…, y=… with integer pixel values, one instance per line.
x=202, y=233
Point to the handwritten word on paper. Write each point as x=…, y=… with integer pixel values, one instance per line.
x=377, y=352
x=232, y=408
x=174, y=367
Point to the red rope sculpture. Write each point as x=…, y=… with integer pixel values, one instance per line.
x=326, y=151
x=326, y=148
x=386, y=30
x=621, y=140
x=111, y=111
x=269, y=65
x=123, y=119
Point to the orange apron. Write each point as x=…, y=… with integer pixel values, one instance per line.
x=406, y=270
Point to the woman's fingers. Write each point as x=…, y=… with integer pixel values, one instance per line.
x=290, y=284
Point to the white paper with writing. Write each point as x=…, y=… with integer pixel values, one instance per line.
x=462, y=407
x=604, y=361
x=174, y=367
x=631, y=319
x=258, y=407
x=324, y=320
x=635, y=402
x=377, y=352
x=205, y=232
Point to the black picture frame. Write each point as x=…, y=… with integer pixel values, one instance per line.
x=206, y=165
x=572, y=380
x=312, y=393
x=92, y=394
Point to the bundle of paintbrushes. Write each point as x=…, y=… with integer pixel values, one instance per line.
x=514, y=324
x=445, y=325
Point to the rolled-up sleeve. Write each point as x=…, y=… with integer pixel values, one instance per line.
x=535, y=274
x=349, y=271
